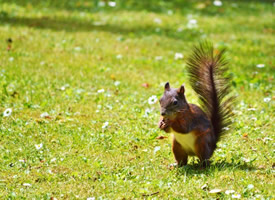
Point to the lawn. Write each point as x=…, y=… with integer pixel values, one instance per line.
x=75, y=81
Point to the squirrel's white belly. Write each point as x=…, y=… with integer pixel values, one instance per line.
x=187, y=141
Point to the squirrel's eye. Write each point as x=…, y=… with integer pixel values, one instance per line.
x=175, y=102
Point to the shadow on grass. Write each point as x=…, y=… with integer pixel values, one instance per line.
x=73, y=25
x=157, y=6
x=196, y=168
x=77, y=25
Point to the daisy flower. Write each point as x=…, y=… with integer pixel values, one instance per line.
x=192, y=23
x=119, y=56
x=158, y=58
x=101, y=4
x=117, y=83
x=100, y=91
x=217, y=3
x=250, y=186
x=38, y=146
x=152, y=100
x=147, y=112
x=229, y=191
x=105, y=125
x=260, y=65
x=44, y=115
x=215, y=191
x=112, y=4
x=178, y=56
x=267, y=99
x=7, y=112
x=236, y=196
x=157, y=21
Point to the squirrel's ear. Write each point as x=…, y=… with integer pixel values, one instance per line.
x=181, y=90
x=167, y=86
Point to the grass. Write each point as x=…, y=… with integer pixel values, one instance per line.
x=65, y=52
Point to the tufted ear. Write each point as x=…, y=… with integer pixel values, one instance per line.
x=167, y=86
x=181, y=90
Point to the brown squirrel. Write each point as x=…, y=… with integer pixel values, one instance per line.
x=196, y=131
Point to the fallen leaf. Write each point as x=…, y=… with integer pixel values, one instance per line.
x=161, y=137
x=261, y=167
x=146, y=195
x=253, y=149
x=145, y=85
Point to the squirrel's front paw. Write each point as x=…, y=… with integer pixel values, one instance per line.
x=164, y=125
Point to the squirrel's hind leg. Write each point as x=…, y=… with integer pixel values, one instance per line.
x=179, y=153
x=203, y=148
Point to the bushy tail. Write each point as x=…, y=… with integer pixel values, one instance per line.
x=206, y=70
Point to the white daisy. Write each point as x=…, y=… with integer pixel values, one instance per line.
x=38, y=146
x=119, y=56
x=91, y=198
x=117, y=83
x=225, y=128
x=157, y=20
x=7, y=112
x=180, y=29
x=178, y=56
x=158, y=58
x=112, y=4
x=152, y=100
x=27, y=184
x=156, y=149
x=236, y=196
x=98, y=24
x=44, y=114
x=170, y=12
x=260, y=65
x=267, y=99
x=77, y=48
x=229, y=191
x=147, y=112
x=192, y=23
x=105, y=125
x=215, y=191
x=250, y=186
x=217, y=3
x=101, y=3
x=101, y=91
x=246, y=159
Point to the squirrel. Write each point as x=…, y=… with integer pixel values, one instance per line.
x=196, y=130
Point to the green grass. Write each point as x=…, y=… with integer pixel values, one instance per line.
x=63, y=52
